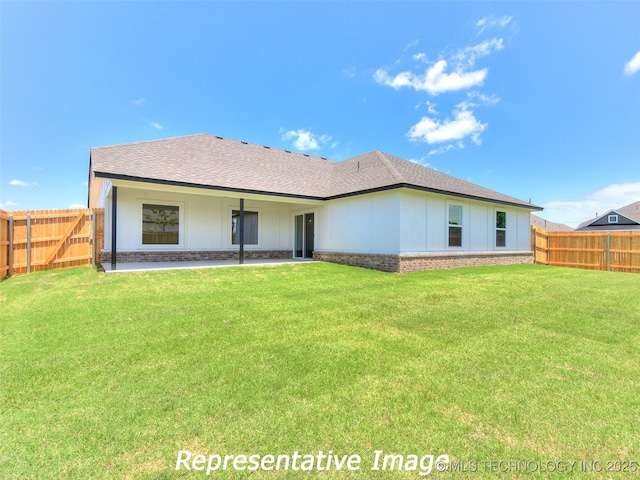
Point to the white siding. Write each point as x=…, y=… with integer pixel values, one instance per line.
x=413, y=222
x=397, y=221
x=362, y=224
x=424, y=224
x=205, y=221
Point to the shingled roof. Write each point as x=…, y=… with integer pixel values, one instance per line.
x=631, y=211
x=548, y=225
x=211, y=162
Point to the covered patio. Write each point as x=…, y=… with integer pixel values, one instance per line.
x=177, y=265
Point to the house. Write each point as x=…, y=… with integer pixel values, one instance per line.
x=206, y=197
x=538, y=222
x=625, y=218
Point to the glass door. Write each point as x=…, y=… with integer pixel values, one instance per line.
x=299, y=237
x=304, y=235
x=308, y=235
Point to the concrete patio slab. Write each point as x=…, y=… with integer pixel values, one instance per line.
x=150, y=266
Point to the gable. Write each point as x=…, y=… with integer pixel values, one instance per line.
x=613, y=218
x=628, y=217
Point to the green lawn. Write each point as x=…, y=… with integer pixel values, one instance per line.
x=110, y=376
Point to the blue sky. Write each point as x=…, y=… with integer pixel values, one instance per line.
x=538, y=100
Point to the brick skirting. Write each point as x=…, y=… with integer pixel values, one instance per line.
x=185, y=256
x=424, y=261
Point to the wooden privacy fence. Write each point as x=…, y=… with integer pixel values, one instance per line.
x=617, y=251
x=46, y=239
x=4, y=244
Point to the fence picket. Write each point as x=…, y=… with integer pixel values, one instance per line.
x=40, y=239
x=613, y=250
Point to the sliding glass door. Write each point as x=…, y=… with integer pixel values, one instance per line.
x=304, y=233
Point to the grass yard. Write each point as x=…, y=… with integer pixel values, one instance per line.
x=508, y=369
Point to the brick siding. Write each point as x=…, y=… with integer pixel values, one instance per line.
x=184, y=256
x=424, y=261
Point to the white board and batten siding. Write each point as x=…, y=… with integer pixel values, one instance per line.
x=409, y=221
x=204, y=224
x=388, y=222
x=360, y=224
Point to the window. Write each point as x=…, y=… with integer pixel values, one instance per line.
x=250, y=227
x=160, y=224
x=501, y=229
x=613, y=218
x=455, y=225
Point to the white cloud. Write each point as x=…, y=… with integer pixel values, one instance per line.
x=443, y=149
x=8, y=204
x=491, y=21
x=452, y=72
x=156, y=125
x=431, y=108
x=469, y=55
x=574, y=212
x=20, y=183
x=139, y=101
x=350, y=72
x=411, y=44
x=305, y=140
x=633, y=65
x=477, y=99
x=421, y=161
x=434, y=81
x=463, y=125
x=76, y=206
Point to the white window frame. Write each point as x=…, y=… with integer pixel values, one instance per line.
x=229, y=220
x=449, y=224
x=612, y=219
x=497, y=229
x=168, y=203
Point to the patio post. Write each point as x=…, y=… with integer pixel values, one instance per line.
x=241, y=232
x=114, y=212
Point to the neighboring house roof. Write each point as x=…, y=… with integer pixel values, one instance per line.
x=207, y=161
x=549, y=226
x=631, y=211
x=628, y=218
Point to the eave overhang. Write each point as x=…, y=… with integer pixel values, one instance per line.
x=309, y=198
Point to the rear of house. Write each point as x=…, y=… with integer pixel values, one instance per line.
x=187, y=198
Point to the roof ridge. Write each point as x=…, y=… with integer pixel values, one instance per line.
x=154, y=140
x=393, y=170
x=244, y=142
x=268, y=147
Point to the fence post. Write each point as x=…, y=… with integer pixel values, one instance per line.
x=93, y=237
x=608, y=252
x=548, y=237
x=10, y=252
x=28, y=243
x=535, y=248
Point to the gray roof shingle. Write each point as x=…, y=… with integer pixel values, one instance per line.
x=631, y=211
x=548, y=225
x=209, y=161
